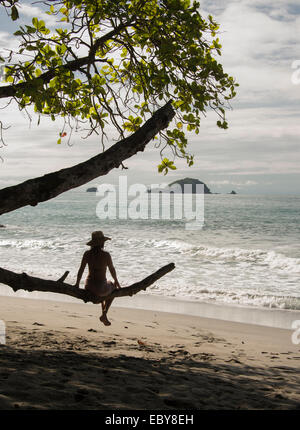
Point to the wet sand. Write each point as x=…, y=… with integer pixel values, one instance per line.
x=59, y=356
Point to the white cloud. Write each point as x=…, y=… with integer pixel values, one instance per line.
x=31, y=11
x=238, y=184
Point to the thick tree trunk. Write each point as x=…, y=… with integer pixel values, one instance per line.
x=22, y=281
x=46, y=187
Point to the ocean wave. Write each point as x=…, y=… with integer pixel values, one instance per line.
x=238, y=297
x=260, y=257
x=253, y=299
x=32, y=244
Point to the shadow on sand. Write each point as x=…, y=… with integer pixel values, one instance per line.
x=59, y=379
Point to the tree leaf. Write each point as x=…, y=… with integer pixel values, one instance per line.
x=14, y=13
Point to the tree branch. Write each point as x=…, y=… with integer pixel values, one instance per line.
x=73, y=65
x=46, y=187
x=22, y=281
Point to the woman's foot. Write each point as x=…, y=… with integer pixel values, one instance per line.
x=104, y=320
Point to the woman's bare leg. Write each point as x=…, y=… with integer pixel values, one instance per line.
x=105, y=306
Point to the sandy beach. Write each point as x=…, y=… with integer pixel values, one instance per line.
x=58, y=356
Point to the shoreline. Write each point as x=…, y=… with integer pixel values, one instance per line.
x=58, y=356
x=268, y=317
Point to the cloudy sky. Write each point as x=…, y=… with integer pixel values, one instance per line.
x=259, y=153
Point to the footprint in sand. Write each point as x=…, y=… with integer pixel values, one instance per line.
x=109, y=342
x=234, y=360
x=210, y=339
x=180, y=352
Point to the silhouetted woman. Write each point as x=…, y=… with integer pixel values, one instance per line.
x=98, y=261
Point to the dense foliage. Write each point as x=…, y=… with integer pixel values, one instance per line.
x=115, y=61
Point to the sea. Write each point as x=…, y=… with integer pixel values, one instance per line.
x=246, y=255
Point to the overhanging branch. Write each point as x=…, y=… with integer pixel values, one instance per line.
x=73, y=65
x=22, y=281
x=46, y=187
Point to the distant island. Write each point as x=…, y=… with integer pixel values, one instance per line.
x=181, y=182
x=193, y=182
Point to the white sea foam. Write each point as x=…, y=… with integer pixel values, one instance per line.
x=271, y=259
x=227, y=296
x=32, y=244
x=255, y=256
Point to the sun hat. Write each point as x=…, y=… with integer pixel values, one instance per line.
x=97, y=238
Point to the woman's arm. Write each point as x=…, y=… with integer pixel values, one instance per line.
x=113, y=271
x=81, y=270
